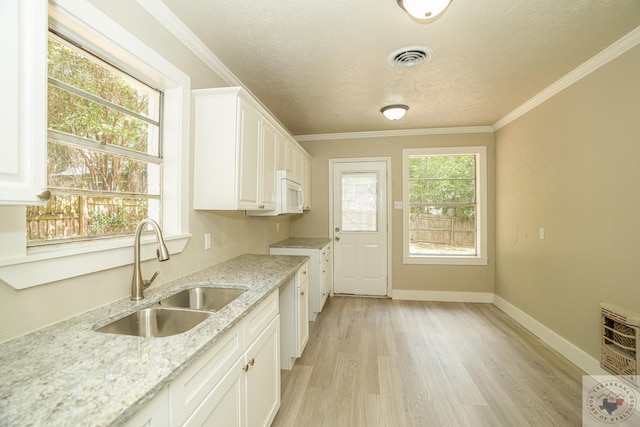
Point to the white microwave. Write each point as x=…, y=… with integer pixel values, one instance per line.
x=289, y=196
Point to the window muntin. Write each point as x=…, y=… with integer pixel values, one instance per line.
x=104, y=161
x=447, y=186
x=442, y=202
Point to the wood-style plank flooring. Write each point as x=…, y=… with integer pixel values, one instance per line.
x=380, y=362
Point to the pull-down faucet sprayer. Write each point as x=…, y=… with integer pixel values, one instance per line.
x=138, y=284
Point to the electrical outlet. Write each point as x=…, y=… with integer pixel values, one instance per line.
x=277, y=226
x=207, y=241
x=541, y=233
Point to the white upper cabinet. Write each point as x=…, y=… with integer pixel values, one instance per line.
x=283, y=147
x=238, y=148
x=306, y=183
x=269, y=152
x=23, y=109
x=235, y=152
x=247, y=143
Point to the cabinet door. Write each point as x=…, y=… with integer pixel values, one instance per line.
x=225, y=405
x=268, y=175
x=326, y=278
x=154, y=413
x=249, y=151
x=298, y=163
x=306, y=183
x=281, y=152
x=23, y=101
x=303, y=316
x=263, y=377
x=195, y=384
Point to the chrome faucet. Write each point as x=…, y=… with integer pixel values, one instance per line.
x=138, y=284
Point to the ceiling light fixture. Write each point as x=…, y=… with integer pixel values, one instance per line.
x=424, y=9
x=394, y=112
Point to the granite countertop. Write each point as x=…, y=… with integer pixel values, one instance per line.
x=68, y=374
x=302, y=243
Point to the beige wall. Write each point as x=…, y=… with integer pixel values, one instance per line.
x=232, y=234
x=405, y=277
x=571, y=165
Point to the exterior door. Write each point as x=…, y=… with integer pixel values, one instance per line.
x=360, y=227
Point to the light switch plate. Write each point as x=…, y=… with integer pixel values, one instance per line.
x=397, y=204
x=207, y=241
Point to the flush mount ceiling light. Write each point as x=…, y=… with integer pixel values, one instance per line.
x=394, y=112
x=423, y=9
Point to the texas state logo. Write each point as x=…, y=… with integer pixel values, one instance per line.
x=611, y=401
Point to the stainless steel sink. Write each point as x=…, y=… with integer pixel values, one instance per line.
x=156, y=322
x=203, y=298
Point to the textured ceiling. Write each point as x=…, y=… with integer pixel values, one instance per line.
x=320, y=66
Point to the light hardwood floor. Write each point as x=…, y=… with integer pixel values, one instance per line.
x=379, y=362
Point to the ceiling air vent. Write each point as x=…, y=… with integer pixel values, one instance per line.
x=410, y=56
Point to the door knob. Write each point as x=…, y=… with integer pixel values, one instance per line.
x=337, y=228
x=337, y=239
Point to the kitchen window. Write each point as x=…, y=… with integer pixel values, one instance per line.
x=160, y=191
x=444, y=215
x=103, y=151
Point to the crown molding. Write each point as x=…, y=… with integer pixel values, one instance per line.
x=176, y=27
x=607, y=55
x=392, y=133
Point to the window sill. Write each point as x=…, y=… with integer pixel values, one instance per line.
x=50, y=264
x=445, y=260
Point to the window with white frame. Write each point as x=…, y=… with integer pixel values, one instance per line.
x=161, y=190
x=445, y=195
x=103, y=153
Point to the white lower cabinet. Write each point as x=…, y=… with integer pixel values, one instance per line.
x=303, y=310
x=234, y=383
x=262, y=376
x=320, y=273
x=223, y=405
x=249, y=394
x=193, y=394
x=294, y=317
x=154, y=413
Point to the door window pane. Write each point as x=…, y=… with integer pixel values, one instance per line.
x=360, y=201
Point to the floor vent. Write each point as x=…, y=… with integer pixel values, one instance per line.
x=620, y=343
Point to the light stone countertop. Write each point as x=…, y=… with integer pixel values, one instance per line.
x=302, y=243
x=68, y=374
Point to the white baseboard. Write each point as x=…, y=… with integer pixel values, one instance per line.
x=443, y=296
x=573, y=353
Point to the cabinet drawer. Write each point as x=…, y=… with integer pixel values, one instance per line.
x=197, y=381
x=259, y=318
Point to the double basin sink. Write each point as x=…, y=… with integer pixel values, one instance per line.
x=175, y=314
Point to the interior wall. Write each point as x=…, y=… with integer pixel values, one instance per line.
x=231, y=233
x=315, y=223
x=571, y=166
